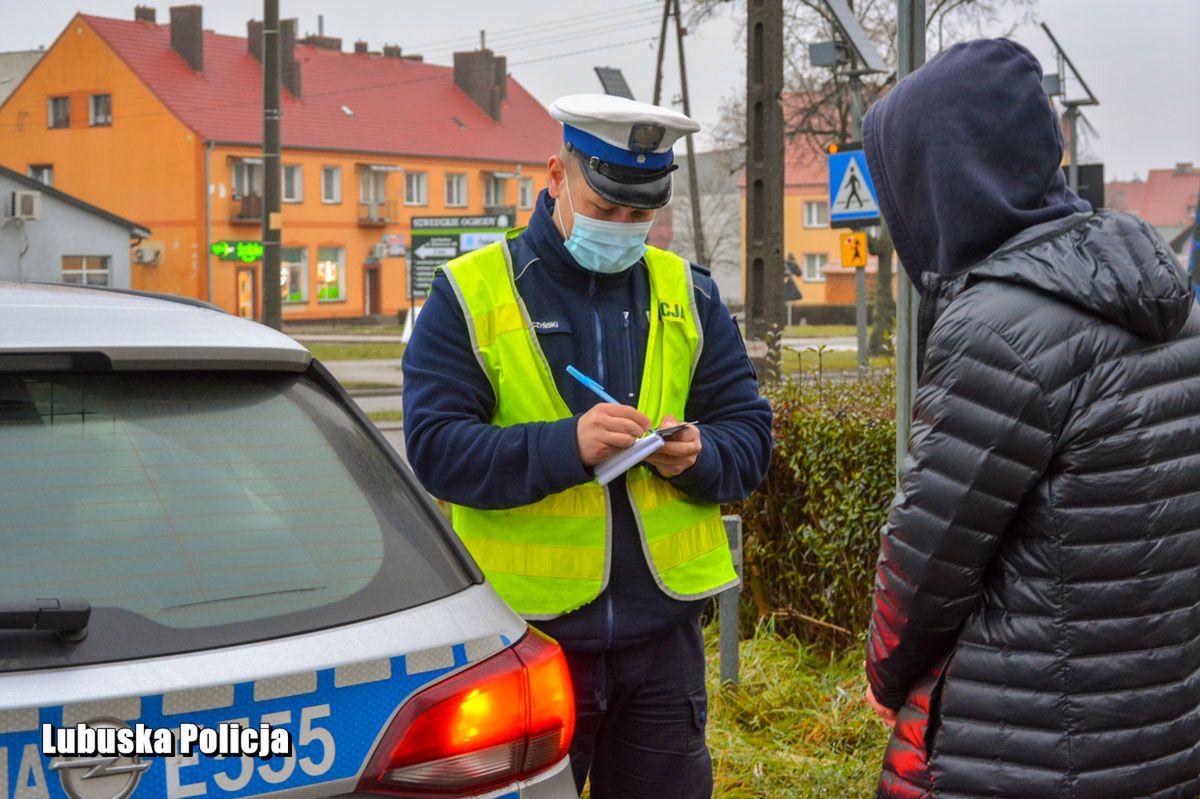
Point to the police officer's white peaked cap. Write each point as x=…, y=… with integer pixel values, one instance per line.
x=612, y=119
x=624, y=147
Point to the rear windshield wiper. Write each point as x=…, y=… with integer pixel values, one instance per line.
x=68, y=618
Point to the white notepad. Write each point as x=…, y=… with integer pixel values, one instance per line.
x=613, y=467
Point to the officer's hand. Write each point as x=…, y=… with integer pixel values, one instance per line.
x=607, y=429
x=680, y=451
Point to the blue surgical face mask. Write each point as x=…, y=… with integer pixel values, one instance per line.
x=604, y=247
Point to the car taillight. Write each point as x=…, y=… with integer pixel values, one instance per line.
x=499, y=721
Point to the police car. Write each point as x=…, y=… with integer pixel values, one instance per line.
x=203, y=538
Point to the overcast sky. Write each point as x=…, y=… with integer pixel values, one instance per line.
x=1140, y=57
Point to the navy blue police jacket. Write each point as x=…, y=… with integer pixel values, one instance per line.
x=599, y=323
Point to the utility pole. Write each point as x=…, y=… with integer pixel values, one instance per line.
x=693, y=179
x=764, y=184
x=662, y=49
x=272, y=175
x=910, y=46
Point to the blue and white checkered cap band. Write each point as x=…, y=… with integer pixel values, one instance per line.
x=590, y=145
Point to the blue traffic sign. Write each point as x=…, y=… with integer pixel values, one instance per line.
x=852, y=198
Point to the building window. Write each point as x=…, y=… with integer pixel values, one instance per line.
x=100, y=110
x=331, y=274
x=331, y=184
x=456, y=191
x=525, y=193
x=293, y=183
x=814, y=266
x=247, y=178
x=42, y=173
x=85, y=270
x=59, y=113
x=493, y=190
x=816, y=214
x=293, y=274
x=372, y=186
x=416, y=188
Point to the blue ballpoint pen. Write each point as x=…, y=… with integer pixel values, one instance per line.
x=591, y=385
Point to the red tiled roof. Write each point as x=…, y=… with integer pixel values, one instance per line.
x=401, y=107
x=804, y=163
x=1163, y=199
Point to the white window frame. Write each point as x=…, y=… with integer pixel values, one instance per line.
x=372, y=186
x=525, y=193
x=494, y=190
x=95, y=117
x=331, y=178
x=456, y=190
x=298, y=196
x=40, y=172
x=819, y=260
x=341, y=274
x=416, y=188
x=86, y=270
x=286, y=267
x=250, y=182
x=816, y=213
x=50, y=117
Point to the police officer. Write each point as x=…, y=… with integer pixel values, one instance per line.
x=496, y=426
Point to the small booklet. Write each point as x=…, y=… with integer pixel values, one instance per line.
x=613, y=467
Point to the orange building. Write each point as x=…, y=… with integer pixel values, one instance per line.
x=163, y=123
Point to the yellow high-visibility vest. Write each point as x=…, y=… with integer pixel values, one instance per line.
x=553, y=556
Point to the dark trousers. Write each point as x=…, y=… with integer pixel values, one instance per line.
x=641, y=715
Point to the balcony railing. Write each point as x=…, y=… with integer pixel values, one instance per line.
x=246, y=210
x=377, y=213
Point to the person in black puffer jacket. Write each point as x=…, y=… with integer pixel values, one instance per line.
x=1036, y=627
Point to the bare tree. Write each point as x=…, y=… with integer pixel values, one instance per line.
x=717, y=176
x=817, y=102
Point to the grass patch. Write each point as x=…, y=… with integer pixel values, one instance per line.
x=796, y=728
x=351, y=385
x=820, y=331
x=803, y=360
x=386, y=416
x=367, y=350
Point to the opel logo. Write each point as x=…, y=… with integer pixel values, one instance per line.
x=100, y=776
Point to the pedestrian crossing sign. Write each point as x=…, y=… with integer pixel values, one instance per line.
x=852, y=199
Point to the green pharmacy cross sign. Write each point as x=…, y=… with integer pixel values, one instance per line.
x=245, y=251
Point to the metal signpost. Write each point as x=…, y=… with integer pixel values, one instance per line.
x=910, y=47
x=853, y=203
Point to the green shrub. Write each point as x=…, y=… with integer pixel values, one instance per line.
x=811, y=531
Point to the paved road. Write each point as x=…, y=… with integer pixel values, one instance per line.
x=835, y=343
x=383, y=370
x=347, y=338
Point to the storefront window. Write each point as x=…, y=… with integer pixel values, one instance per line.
x=331, y=274
x=293, y=274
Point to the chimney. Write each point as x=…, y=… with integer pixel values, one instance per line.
x=145, y=14
x=392, y=51
x=360, y=47
x=1184, y=168
x=187, y=35
x=289, y=68
x=324, y=42
x=254, y=30
x=483, y=76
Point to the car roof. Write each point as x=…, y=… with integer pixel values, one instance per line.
x=138, y=330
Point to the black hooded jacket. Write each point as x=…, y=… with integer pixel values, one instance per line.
x=1037, y=605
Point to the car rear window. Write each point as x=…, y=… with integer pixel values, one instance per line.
x=208, y=508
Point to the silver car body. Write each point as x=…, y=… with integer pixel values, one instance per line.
x=335, y=689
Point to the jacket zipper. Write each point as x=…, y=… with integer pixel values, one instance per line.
x=629, y=358
x=598, y=329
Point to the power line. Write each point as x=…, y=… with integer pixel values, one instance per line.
x=607, y=27
x=554, y=23
x=643, y=40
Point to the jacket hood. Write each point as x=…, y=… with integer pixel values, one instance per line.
x=1111, y=264
x=966, y=153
